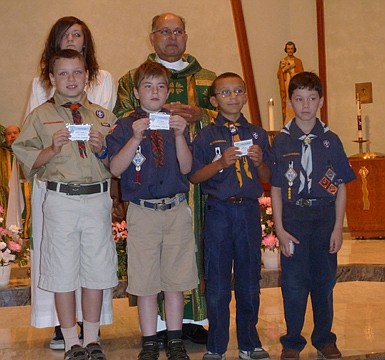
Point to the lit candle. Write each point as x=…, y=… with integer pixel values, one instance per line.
x=271, y=115
x=359, y=120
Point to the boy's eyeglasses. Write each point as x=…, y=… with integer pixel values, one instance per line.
x=226, y=93
x=168, y=32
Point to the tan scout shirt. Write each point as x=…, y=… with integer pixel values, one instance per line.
x=67, y=166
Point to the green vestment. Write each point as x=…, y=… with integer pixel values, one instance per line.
x=188, y=86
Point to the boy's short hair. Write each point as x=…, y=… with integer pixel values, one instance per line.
x=66, y=54
x=225, y=75
x=305, y=80
x=150, y=69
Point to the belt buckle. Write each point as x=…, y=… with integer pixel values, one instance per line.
x=74, y=189
x=308, y=203
x=161, y=206
x=304, y=202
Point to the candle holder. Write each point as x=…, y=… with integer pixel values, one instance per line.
x=360, y=141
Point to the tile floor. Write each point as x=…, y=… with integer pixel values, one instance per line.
x=359, y=321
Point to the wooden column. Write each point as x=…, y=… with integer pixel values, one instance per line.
x=322, y=56
x=247, y=68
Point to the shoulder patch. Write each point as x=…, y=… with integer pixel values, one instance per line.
x=100, y=114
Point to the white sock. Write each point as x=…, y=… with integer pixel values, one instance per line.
x=70, y=336
x=90, y=331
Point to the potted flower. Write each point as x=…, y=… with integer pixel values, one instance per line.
x=119, y=233
x=12, y=249
x=270, y=242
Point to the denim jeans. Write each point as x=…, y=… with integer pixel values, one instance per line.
x=232, y=241
x=310, y=271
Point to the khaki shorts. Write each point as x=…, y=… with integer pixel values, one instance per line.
x=77, y=248
x=160, y=250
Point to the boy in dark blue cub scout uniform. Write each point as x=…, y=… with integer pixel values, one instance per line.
x=153, y=159
x=308, y=197
x=229, y=159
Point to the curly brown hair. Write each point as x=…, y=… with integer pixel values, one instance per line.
x=52, y=45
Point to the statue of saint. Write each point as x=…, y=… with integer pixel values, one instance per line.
x=288, y=67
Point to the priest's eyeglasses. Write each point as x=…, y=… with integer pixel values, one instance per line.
x=226, y=93
x=168, y=32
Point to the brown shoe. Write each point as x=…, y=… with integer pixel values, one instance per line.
x=289, y=354
x=329, y=351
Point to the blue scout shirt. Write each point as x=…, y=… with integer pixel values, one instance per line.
x=330, y=166
x=154, y=183
x=213, y=140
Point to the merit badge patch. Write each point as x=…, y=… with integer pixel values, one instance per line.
x=325, y=182
x=330, y=174
x=332, y=189
x=328, y=181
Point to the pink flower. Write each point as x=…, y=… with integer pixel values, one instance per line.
x=270, y=242
x=14, y=246
x=265, y=201
x=119, y=231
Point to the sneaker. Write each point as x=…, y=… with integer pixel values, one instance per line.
x=76, y=353
x=176, y=350
x=213, y=356
x=195, y=333
x=329, y=351
x=289, y=354
x=95, y=352
x=257, y=353
x=162, y=339
x=150, y=351
x=57, y=341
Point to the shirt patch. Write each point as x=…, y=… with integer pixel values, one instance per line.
x=291, y=154
x=217, y=141
x=100, y=114
x=330, y=174
x=53, y=122
x=326, y=143
x=324, y=182
x=332, y=189
x=328, y=183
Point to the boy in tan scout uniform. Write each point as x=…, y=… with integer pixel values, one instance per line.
x=77, y=247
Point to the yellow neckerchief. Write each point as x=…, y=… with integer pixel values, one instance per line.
x=232, y=126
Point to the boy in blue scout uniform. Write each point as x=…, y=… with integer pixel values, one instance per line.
x=229, y=160
x=77, y=247
x=153, y=158
x=308, y=197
